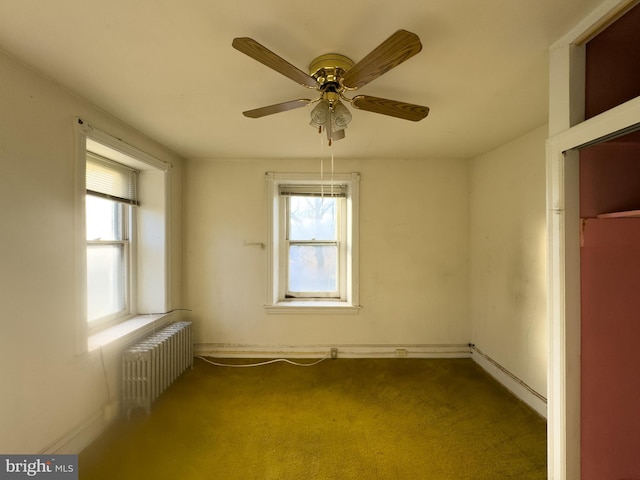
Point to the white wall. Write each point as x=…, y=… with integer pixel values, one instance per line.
x=413, y=255
x=508, y=257
x=48, y=392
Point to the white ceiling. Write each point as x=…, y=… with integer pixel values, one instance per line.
x=167, y=68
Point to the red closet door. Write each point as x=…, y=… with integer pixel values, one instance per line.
x=610, y=367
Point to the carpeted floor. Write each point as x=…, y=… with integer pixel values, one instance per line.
x=440, y=419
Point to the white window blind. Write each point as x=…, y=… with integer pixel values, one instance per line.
x=323, y=190
x=108, y=179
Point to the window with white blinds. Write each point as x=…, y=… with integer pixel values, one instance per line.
x=313, y=243
x=114, y=181
x=123, y=197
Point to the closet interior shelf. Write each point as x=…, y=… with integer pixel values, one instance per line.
x=626, y=214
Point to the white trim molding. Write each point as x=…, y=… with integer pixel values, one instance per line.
x=118, y=149
x=83, y=434
x=226, y=350
x=515, y=385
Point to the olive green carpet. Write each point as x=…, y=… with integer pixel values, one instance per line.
x=432, y=419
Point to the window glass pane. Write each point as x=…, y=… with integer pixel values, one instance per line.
x=103, y=219
x=105, y=280
x=312, y=218
x=313, y=268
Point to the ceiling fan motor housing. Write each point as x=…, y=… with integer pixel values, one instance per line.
x=327, y=70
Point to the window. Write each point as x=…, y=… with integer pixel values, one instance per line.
x=124, y=256
x=313, y=242
x=109, y=209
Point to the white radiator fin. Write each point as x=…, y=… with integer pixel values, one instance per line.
x=151, y=365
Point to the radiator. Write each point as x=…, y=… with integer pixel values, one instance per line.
x=151, y=365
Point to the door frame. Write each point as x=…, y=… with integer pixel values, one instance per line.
x=563, y=227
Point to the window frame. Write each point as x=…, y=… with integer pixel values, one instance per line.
x=347, y=302
x=150, y=287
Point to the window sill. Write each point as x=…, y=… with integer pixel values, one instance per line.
x=127, y=331
x=313, y=307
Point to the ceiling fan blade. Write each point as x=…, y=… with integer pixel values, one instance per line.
x=265, y=56
x=399, y=47
x=392, y=108
x=277, y=108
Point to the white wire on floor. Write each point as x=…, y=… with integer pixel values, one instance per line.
x=259, y=364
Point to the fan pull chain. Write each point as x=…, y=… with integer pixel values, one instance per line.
x=332, y=173
x=321, y=165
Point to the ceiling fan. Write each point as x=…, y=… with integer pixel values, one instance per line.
x=332, y=75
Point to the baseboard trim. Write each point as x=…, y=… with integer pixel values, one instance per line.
x=223, y=350
x=515, y=385
x=84, y=433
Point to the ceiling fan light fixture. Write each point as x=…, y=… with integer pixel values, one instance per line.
x=320, y=113
x=341, y=115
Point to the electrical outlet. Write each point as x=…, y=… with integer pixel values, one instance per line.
x=401, y=352
x=334, y=353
